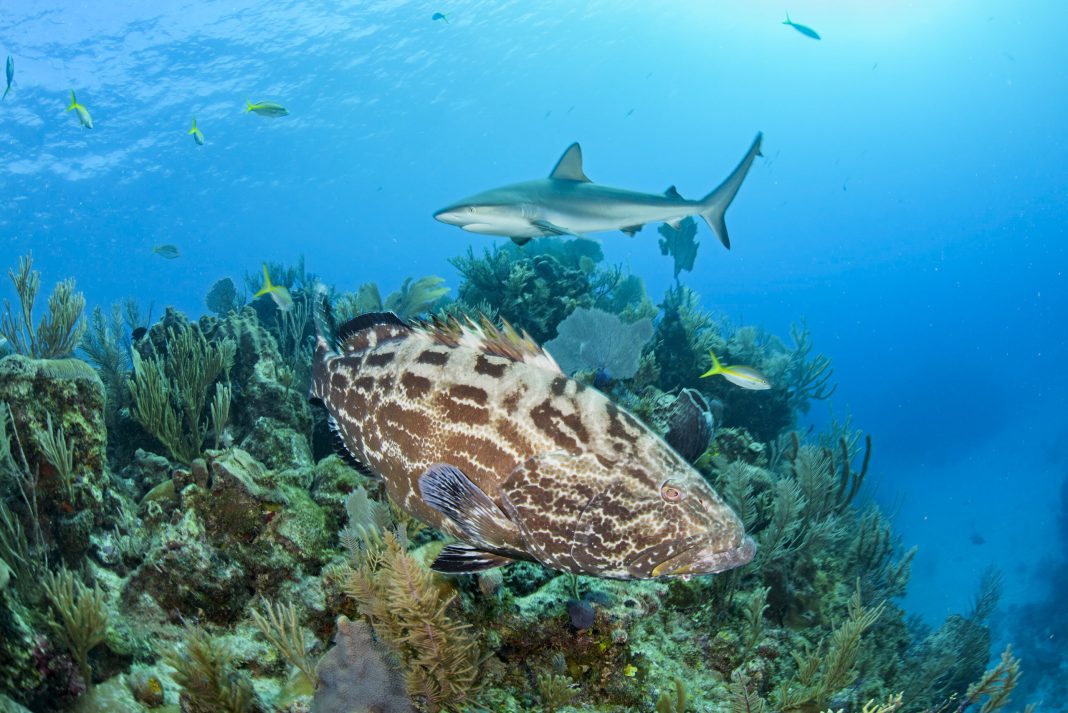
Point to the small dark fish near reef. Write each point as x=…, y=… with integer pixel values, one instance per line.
x=475, y=431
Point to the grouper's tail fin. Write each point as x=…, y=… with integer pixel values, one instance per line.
x=714, y=205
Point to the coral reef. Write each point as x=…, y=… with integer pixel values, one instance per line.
x=175, y=535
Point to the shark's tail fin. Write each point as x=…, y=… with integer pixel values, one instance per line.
x=714, y=205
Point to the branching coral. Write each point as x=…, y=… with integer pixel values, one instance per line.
x=106, y=346
x=58, y=452
x=822, y=673
x=554, y=690
x=204, y=670
x=170, y=390
x=81, y=617
x=810, y=378
x=279, y=624
x=674, y=701
x=58, y=332
x=407, y=608
x=996, y=685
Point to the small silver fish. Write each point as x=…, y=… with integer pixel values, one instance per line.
x=10, y=75
x=167, y=251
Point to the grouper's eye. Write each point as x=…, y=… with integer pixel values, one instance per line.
x=670, y=493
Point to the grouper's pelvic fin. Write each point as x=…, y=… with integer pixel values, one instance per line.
x=714, y=205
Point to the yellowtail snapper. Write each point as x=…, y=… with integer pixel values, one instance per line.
x=279, y=293
x=196, y=133
x=83, y=113
x=167, y=251
x=268, y=109
x=745, y=376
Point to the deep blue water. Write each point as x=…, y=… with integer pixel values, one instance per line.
x=911, y=204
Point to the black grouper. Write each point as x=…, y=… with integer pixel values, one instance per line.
x=475, y=431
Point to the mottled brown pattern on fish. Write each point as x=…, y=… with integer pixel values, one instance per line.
x=579, y=476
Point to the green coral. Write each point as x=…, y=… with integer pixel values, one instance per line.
x=58, y=332
x=171, y=389
x=204, y=669
x=81, y=617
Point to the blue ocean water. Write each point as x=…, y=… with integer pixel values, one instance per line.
x=910, y=204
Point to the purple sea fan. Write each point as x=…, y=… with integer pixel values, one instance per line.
x=592, y=339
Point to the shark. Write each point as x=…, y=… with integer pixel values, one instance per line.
x=569, y=203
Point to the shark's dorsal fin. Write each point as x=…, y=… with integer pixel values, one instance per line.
x=488, y=338
x=673, y=192
x=569, y=167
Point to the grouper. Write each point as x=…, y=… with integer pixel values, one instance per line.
x=475, y=431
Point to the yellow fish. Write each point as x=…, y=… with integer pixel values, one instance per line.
x=268, y=109
x=745, y=376
x=278, y=293
x=83, y=113
x=195, y=132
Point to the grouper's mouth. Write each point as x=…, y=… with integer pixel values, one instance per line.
x=706, y=560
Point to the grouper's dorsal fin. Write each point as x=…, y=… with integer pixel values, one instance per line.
x=569, y=167
x=354, y=335
x=486, y=337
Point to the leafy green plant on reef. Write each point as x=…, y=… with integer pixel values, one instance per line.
x=58, y=332
x=824, y=672
x=106, y=346
x=415, y=297
x=204, y=670
x=279, y=624
x=81, y=617
x=407, y=606
x=674, y=701
x=170, y=390
x=58, y=452
x=554, y=690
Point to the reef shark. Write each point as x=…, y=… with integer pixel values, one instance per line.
x=569, y=203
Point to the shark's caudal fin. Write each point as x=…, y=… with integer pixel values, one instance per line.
x=714, y=205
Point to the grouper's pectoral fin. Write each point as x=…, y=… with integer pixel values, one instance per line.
x=494, y=538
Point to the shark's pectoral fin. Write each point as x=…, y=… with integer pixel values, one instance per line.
x=675, y=224
x=521, y=241
x=553, y=229
x=631, y=230
x=569, y=167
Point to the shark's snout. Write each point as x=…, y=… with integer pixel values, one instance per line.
x=453, y=215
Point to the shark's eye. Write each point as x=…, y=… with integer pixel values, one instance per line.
x=670, y=493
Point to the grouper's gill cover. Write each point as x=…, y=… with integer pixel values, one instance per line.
x=475, y=431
